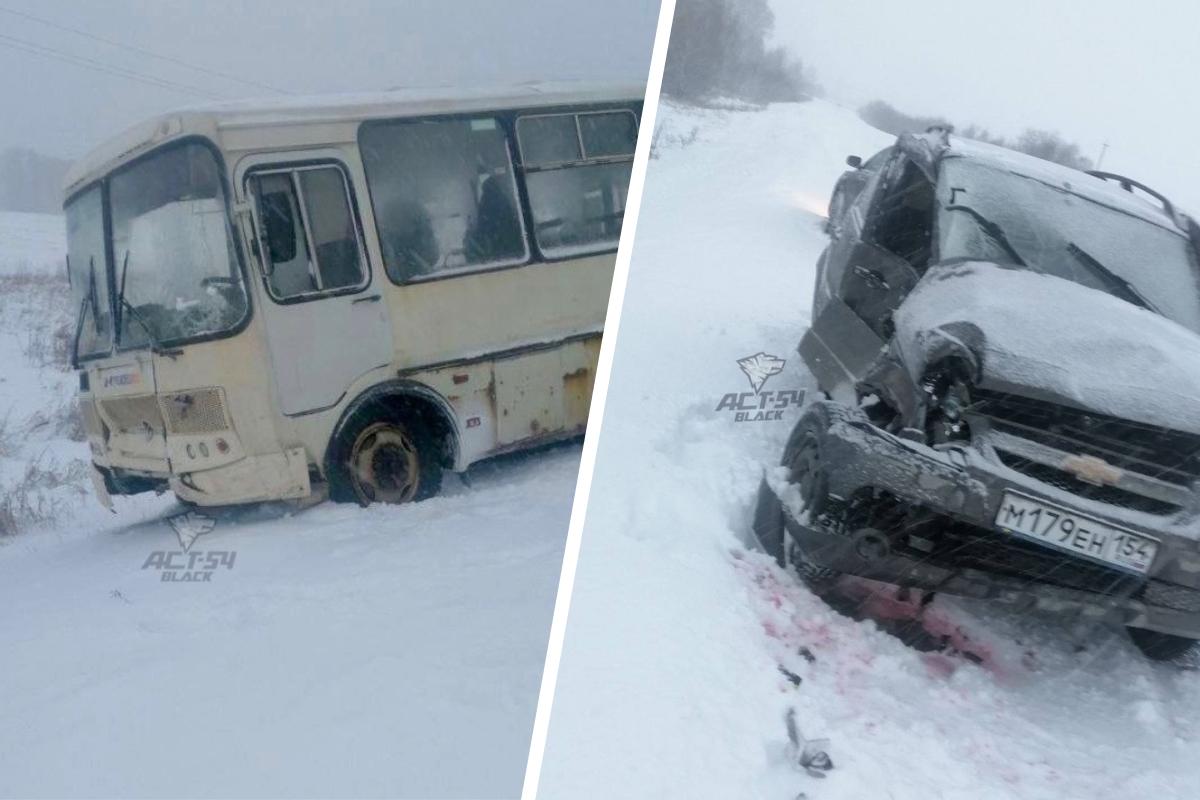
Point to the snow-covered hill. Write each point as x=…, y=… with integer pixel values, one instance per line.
x=338, y=652
x=670, y=684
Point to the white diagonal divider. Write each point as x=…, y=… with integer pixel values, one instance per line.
x=591, y=442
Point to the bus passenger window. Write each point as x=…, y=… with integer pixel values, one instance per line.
x=444, y=195
x=577, y=168
x=608, y=134
x=308, y=238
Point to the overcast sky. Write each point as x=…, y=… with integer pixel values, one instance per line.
x=1121, y=71
x=302, y=46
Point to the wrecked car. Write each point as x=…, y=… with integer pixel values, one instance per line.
x=1009, y=353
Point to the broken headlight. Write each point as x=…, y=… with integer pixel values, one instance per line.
x=947, y=396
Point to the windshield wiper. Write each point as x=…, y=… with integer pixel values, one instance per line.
x=89, y=299
x=124, y=305
x=994, y=231
x=1113, y=279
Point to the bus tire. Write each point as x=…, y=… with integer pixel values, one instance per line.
x=385, y=456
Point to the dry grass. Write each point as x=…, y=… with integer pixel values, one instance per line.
x=672, y=141
x=42, y=314
x=7, y=435
x=32, y=500
x=36, y=308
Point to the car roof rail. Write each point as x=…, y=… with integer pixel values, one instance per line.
x=1129, y=184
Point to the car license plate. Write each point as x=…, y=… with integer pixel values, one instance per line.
x=1075, y=533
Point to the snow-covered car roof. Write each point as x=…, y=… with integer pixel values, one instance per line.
x=1077, y=181
x=212, y=118
x=936, y=146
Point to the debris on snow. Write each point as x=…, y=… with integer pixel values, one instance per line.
x=811, y=754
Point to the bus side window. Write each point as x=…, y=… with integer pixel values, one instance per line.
x=309, y=240
x=577, y=169
x=444, y=194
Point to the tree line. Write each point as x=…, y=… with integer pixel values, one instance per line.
x=719, y=48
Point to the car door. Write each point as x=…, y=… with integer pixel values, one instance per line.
x=325, y=325
x=860, y=284
x=851, y=185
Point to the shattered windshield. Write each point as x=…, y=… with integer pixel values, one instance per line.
x=88, y=272
x=175, y=269
x=991, y=214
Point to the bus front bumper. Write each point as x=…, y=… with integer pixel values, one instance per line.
x=250, y=479
x=275, y=476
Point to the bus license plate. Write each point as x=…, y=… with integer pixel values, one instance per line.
x=1075, y=533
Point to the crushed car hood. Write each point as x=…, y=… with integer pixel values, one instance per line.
x=1051, y=339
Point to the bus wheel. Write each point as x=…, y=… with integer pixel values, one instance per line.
x=386, y=461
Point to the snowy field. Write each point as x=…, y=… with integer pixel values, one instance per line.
x=337, y=652
x=670, y=684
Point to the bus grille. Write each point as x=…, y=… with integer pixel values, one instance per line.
x=196, y=411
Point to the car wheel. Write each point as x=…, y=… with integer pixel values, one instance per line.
x=382, y=458
x=1160, y=646
x=804, y=459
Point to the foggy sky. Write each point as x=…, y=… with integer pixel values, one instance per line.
x=1102, y=70
x=304, y=46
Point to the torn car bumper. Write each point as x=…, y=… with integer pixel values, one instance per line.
x=961, y=488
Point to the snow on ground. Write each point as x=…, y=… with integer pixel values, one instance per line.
x=670, y=683
x=337, y=652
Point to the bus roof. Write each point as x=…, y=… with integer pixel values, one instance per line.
x=210, y=119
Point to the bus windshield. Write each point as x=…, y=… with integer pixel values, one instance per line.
x=175, y=270
x=88, y=272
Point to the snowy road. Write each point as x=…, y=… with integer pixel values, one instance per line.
x=338, y=652
x=670, y=683
x=346, y=652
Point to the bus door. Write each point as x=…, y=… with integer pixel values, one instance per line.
x=326, y=324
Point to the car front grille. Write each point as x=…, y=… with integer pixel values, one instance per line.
x=1165, y=455
x=1110, y=495
x=1156, y=452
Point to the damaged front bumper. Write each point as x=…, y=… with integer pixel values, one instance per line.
x=250, y=479
x=954, y=493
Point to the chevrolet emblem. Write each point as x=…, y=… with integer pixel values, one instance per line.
x=1093, y=470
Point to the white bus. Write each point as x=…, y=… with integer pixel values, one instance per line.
x=349, y=294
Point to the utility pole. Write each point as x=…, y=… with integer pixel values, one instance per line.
x=1100, y=159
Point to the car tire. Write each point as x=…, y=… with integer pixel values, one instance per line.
x=1160, y=646
x=803, y=458
x=383, y=456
